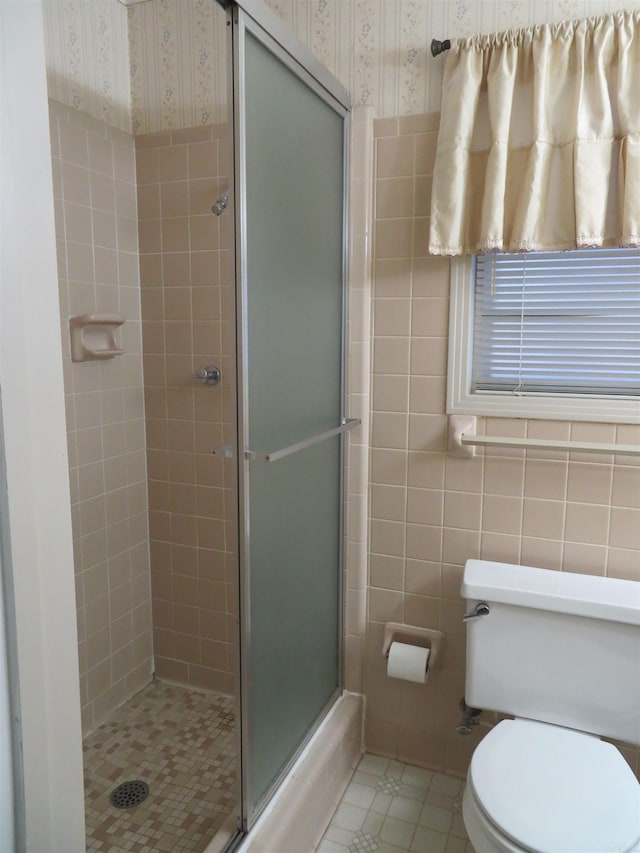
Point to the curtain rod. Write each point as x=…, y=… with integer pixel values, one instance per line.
x=438, y=47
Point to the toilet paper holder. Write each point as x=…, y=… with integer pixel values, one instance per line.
x=427, y=638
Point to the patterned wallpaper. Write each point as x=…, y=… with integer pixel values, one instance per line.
x=175, y=49
x=87, y=51
x=178, y=64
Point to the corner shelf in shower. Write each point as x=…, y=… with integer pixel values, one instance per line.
x=93, y=336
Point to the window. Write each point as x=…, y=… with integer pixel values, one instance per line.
x=547, y=335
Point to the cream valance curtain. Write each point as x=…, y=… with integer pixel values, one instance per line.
x=539, y=141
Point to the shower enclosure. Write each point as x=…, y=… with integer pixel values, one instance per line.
x=290, y=141
x=243, y=480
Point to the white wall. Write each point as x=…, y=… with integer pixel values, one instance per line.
x=35, y=445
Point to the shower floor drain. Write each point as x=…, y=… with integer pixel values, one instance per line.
x=129, y=794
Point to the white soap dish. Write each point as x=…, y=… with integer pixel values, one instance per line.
x=93, y=336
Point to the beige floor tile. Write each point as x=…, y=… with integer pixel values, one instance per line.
x=181, y=742
x=409, y=809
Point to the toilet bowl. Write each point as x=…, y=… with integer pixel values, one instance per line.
x=538, y=787
x=559, y=653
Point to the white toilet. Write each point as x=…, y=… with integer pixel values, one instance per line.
x=561, y=653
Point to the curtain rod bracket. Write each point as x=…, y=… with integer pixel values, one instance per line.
x=438, y=47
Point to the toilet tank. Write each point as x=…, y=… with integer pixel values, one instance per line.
x=558, y=647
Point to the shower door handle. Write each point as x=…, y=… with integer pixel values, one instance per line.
x=274, y=455
x=225, y=450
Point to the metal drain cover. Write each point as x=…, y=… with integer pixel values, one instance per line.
x=129, y=794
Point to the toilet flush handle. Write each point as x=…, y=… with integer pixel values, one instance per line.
x=481, y=609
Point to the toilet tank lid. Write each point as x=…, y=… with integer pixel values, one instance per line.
x=613, y=599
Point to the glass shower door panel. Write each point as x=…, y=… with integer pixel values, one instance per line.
x=292, y=339
x=294, y=602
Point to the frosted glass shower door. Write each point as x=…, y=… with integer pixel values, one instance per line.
x=290, y=136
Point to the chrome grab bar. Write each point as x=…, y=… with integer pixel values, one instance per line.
x=274, y=455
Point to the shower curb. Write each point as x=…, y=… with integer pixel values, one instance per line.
x=310, y=794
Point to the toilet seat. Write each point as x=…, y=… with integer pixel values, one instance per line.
x=551, y=789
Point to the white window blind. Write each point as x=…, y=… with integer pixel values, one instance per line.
x=557, y=322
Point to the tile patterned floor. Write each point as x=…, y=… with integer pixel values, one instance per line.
x=391, y=807
x=181, y=742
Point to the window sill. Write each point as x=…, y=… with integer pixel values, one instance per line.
x=545, y=407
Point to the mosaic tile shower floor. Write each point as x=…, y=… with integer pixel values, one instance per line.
x=181, y=742
x=391, y=807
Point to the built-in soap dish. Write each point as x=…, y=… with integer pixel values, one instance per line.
x=93, y=336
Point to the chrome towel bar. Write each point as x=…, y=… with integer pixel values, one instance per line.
x=550, y=444
x=462, y=440
x=274, y=455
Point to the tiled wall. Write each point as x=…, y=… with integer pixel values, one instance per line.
x=188, y=322
x=97, y=232
x=429, y=511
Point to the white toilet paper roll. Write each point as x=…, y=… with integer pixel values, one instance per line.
x=408, y=662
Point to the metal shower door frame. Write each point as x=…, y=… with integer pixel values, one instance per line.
x=253, y=17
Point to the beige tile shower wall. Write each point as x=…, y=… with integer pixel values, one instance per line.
x=430, y=512
x=188, y=322
x=96, y=227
